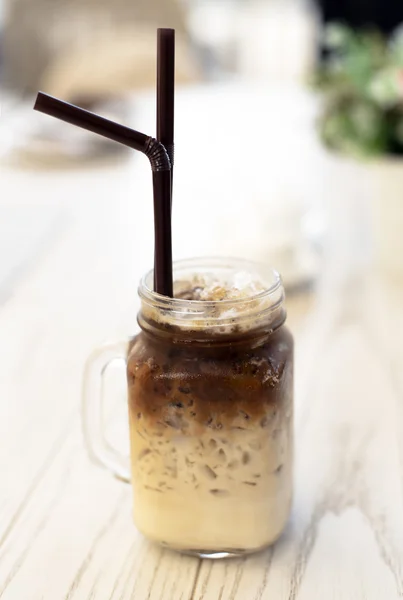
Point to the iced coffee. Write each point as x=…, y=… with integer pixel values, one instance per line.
x=210, y=404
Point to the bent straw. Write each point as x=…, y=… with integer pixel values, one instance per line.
x=160, y=165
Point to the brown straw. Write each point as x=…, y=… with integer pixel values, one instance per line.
x=163, y=233
x=160, y=165
x=166, y=91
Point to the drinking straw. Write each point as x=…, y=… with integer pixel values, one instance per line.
x=166, y=91
x=160, y=165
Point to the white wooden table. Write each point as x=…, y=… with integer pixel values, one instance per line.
x=65, y=526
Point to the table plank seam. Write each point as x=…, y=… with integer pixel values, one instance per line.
x=89, y=556
x=196, y=579
x=155, y=571
x=206, y=580
x=49, y=460
x=262, y=588
x=237, y=578
x=38, y=530
x=120, y=574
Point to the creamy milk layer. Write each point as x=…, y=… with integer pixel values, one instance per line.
x=228, y=492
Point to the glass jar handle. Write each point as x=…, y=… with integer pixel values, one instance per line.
x=93, y=426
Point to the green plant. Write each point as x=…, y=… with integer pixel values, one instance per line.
x=362, y=87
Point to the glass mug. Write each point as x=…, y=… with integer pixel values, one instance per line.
x=210, y=395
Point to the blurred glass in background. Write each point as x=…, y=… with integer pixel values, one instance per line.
x=94, y=54
x=102, y=56
x=248, y=64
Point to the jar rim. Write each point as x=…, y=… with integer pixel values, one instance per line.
x=264, y=308
x=234, y=264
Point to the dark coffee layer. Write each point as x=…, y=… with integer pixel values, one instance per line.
x=234, y=385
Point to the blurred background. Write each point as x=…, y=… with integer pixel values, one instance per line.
x=289, y=131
